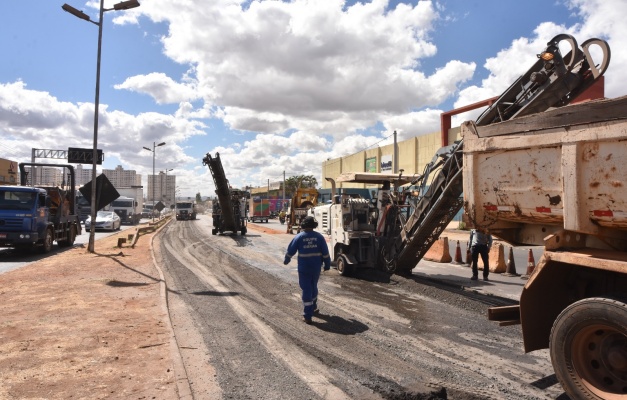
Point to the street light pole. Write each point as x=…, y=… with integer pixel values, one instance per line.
x=125, y=5
x=154, y=147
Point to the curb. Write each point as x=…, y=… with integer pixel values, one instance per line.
x=182, y=381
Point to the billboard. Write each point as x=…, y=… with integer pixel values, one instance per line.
x=371, y=164
x=386, y=163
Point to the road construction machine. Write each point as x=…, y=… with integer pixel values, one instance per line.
x=229, y=212
x=303, y=200
x=534, y=169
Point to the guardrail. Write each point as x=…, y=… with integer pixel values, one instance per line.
x=150, y=228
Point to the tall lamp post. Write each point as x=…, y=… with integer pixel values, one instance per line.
x=125, y=5
x=154, y=147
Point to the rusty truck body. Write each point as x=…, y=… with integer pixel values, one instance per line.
x=558, y=179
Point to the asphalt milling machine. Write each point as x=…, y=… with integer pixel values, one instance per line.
x=229, y=212
x=394, y=231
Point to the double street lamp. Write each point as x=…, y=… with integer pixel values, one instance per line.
x=125, y=5
x=154, y=180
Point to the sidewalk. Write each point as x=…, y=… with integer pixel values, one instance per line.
x=509, y=287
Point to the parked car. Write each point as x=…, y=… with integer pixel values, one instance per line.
x=105, y=220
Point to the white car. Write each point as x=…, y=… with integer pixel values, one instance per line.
x=105, y=220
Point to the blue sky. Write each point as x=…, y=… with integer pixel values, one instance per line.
x=272, y=85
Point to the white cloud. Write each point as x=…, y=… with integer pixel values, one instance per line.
x=162, y=88
x=322, y=67
x=34, y=119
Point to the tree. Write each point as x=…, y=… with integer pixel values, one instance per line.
x=198, y=198
x=301, y=181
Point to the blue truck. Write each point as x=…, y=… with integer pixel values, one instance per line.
x=33, y=218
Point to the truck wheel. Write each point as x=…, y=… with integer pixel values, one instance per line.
x=342, y=265
x=214, y=231
x=47, y=243
x=70, y=239
x=588, y=346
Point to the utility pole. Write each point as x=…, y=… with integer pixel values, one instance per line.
x=395, y=155
x=283, y=200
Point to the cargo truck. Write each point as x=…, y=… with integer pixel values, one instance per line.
x=129, y=205
x=558, y=179
x=258, y=209
x=185, y=210
x=33, y=218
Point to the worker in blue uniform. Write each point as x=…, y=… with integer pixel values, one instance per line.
x=313, y=252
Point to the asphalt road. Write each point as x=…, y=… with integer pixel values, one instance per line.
x=236, y=313
x=10, y=259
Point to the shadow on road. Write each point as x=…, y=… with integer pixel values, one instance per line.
x=339, y=325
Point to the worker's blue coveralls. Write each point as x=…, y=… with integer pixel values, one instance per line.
x=312, y=253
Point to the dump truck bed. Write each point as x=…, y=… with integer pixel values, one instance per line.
x=559, y=170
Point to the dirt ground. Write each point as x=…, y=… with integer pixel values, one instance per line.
x=87, y=326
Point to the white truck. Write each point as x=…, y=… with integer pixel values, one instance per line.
x=129, y=205
x=185, y=209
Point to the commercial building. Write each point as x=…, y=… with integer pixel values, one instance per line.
x=164, y=186
x=9, y=173
x=413, y=155
x=120, y=177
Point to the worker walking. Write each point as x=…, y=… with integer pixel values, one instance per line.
x=312, y=254
x=480, y=244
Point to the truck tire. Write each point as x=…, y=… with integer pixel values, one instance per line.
x=588, y=347
x=71, y=238
x=47, y=242
x=342, y=265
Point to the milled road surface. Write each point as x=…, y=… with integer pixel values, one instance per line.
x=236, y=312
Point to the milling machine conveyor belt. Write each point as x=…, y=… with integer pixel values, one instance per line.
x=222, y=190
x=433, y=212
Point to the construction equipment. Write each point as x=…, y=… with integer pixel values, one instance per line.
x=302, y=201
x=408, y=224
x=229, y=212
x=531, y=176
x=35, y=217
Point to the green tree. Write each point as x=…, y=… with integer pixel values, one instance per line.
x=198, y=198
x=300, y=181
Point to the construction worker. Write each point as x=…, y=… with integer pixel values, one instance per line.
x=312, y=254
x=480, y=244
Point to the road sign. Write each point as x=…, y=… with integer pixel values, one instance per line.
x=83, y=156
x=105, y=192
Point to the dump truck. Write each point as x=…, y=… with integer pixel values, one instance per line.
x=558, y=179
x=33, y=218
x=185, y=210
x=229, y=212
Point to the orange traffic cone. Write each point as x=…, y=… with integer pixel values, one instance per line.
x=511, y=264
x=468, y=255
x=458, y=255
x=531, y=265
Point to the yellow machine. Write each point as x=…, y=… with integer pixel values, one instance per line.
x=303, y=200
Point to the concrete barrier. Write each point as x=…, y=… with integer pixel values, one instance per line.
x=439, y=251
x=496, y=258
